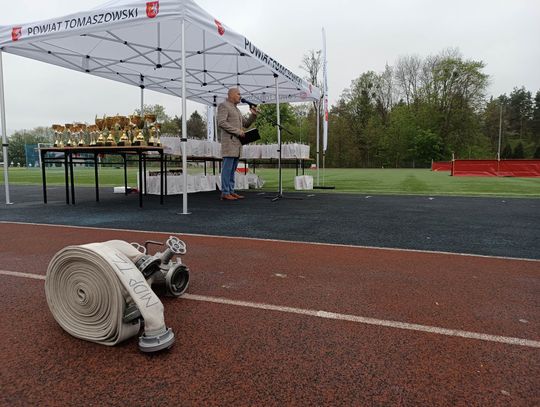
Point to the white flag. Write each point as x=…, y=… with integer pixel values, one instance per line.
x=210, y=123
x=325, y=94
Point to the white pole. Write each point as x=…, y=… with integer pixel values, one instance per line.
x=4, y=135
x=278, y=120
x=183, y=140
x=317, y=104
x=500, y=133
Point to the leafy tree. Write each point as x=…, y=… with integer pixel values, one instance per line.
x=158, y=110
x=18, y=140
x=196, y=127
x=518, y=151
x=520, y=113
x=537, y=152
x=426, y=146
x=399, y=136
x=535, y=122
x=267, y=119
x=172, y=127
x=507, y=151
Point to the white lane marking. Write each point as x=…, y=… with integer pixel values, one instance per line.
x=25, y=275
x=342, y=317
x=277, y=241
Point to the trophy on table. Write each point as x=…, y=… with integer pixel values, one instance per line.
x=58, y=133
x=69, y=128
x=152, y=141
x=110, y=123
x=137, y=123
x=80, y=129
x=158, y=134
x=122, y=123
x=93, y=130
x=100, y=123
x=149, y=125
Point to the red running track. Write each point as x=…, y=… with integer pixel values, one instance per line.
x=251, y=353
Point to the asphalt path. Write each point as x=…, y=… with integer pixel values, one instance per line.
x=507, y=227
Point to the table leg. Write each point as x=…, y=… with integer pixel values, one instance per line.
x=71, y=177
x=144, y=171
x=96, y=176
x=125, y=174
x=161, y=175
x=66, y=176
x=165, y=175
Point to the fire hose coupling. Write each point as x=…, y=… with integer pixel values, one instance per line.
x=113, y=279
x=154, y=342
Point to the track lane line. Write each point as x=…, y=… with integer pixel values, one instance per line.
x=508, y=340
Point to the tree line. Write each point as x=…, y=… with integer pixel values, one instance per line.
x=418, y=110
x=432, y=108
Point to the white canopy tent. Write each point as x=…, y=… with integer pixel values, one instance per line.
x=168, y=46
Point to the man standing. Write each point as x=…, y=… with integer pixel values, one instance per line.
x=232, y=123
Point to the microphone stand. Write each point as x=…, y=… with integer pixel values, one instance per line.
x=280, y=183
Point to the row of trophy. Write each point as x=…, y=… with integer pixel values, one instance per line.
x=110, y=131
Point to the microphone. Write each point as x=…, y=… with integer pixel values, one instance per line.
x=253, y=105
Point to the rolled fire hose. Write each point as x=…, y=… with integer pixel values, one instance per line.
x=93, y=290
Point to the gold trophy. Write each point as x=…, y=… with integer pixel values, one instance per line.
x=100, y=140
x=152, y=140
x=120, y=122
x=110, y=140
x=149, y=119
x=124, y=139
x=139, y=139
x=136, y=123
x=69, y=128
x=78, y=129
x=93, y=130
x=58, y=131
x=158, y=132
x=110, y=123
x=100, y=124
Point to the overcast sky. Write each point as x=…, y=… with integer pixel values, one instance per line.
x=361, y=36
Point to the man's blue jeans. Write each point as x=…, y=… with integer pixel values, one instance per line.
x=228, y=170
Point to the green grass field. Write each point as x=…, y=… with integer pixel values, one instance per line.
x=363, y=181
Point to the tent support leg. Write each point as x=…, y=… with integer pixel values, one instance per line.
x=184, y=124
x=4, y=134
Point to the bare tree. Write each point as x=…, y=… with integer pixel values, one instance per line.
x=312, y=64
x=407, y=75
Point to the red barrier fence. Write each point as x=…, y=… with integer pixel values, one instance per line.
x=441, y=166
x=494, y=168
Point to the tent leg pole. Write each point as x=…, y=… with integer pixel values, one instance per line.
x=318, y=139
x=142, y=102
x=184, y=124
x=4, y=135
x=278, y=119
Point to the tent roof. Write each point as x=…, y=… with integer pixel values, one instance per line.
x=139, y=43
